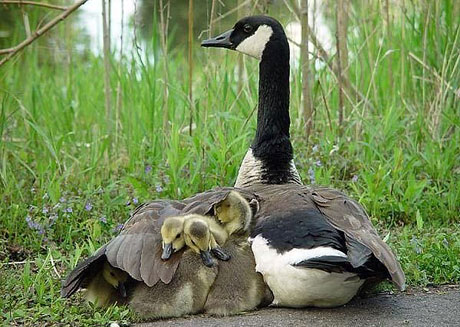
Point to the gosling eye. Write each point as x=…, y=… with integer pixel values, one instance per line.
x=112, y=274
x=177, y=236
x=247, y=28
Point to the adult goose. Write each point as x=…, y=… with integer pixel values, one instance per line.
x=314, y=246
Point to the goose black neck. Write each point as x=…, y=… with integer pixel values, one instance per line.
x=272, y=144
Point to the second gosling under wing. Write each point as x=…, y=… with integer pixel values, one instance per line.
x=185, y=294
x=238, y=287
x=107, y=286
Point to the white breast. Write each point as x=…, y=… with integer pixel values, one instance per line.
x=301, y=287
x=251, y=170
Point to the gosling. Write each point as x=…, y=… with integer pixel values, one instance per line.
x=234, y=213
x=107, y=286
x=238, y=287
x=204, y=236
x=172, y=235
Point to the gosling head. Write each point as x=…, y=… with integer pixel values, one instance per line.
x=234, y=212
x=198, y=238
x=172, y=236
x=115, y=277
x=254, y=36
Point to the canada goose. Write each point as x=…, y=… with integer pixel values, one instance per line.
x=314, y=246
x=107, y=286
x=238, y=287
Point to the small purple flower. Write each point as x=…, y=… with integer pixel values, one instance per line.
x=135, y=201
x=158, y=188
x=34, y=225
x=88, y=206
x=318, y=163
x=354, y=179
x=315, y=148
x=148, y=169
x=45, y=210
x=311, y=174
x=103, y=219
x=69, y=210
x=118, y=228
x=128, y=203
x=62, y=199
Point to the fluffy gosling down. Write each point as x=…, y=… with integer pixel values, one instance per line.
x=200, y=233
x=234, y=213
x=238, y=287
x=107, y=287
x=172, y=235
x=204, y=235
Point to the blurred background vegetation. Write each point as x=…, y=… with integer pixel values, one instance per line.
x=72, y=164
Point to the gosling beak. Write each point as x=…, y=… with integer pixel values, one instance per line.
x=220, y=254
x=167, y=251
x=122, y=289
x=221, y=41
x=207, y=259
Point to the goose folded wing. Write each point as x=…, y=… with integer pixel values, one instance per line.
x=137, y=249
x=78, y=276
x=349, y=217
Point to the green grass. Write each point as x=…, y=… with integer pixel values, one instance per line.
x=400, y=159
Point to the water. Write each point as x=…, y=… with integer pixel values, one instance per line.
x=122, y=12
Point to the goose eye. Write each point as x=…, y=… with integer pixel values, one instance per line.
x=177, y=236
x=112, y=274
x=247, y=28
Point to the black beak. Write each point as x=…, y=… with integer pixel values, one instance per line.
x=122, y=289
x=207, y=259
x=220, y=254
x=221, y=41
x=167, y=251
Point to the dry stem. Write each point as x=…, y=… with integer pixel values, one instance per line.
x=32, y=3
x=10, y=52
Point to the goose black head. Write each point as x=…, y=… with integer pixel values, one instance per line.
x=251, y=35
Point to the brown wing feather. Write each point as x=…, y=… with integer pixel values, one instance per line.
x=349, y=216
x=79, y=275
x=147, y=263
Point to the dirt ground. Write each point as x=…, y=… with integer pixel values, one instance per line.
x=438, y=306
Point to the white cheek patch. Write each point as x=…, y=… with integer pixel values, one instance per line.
x=255, y=44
